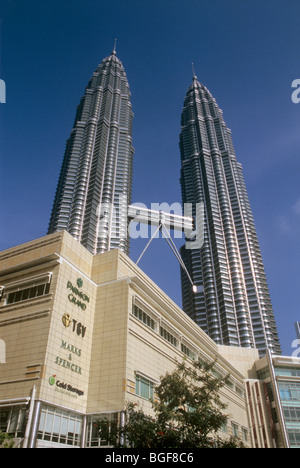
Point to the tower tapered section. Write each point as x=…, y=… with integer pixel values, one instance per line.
x=95, y=183
x=233, y=302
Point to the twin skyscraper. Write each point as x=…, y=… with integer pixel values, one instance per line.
x=96, y=173
x=232, y=303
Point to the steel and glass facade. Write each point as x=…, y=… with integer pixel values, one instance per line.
x=281, y=377
x=95, y=183
x=233, y=303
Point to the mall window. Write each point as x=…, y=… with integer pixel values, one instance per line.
x=26, y=288
x=235, y=429
x=168, y=336
x=144, y=387
x=245, y=434
x=143, y=317
x=291, y=413
x=28, y=293
x=13, y=420
x=289, y=391
x=224, y=427
x=92, y=434
x=239, y=390
x=294, y=437
x=58, y=425
x=289, y=371
x=187, y=351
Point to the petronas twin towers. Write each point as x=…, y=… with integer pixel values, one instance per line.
x=94, y=189
x=233, y=303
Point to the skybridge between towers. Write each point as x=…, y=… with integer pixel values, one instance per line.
x=164, y=221
x=157, y=218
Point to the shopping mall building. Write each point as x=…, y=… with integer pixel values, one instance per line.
x=82, y=334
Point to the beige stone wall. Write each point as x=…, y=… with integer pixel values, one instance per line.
x=108, y=357
x=243, y=359
x=69, y=347
x=152, y=356
x=24, y=326
x=38, y=345
x=101, y=363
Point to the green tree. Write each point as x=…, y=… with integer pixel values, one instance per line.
x=6, y=441
x=188, y=413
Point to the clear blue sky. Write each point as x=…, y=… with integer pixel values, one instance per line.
x=245, y=52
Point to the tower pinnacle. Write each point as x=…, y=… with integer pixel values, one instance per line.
x=114, y=49
x=194, y=74
x=94, y=187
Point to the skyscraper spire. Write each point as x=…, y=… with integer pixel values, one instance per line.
x=94, y=188
x=194, y=74
x=114, y=52
x=233, y=303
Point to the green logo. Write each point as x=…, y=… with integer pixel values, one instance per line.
x=52, y=380
x=79, y=283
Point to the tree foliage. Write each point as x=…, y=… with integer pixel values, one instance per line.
x=188, y=413
x=6, y=441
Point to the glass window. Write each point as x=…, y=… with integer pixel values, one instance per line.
x=32, y=292
x=40, y=290
x=16, y=422
x=18, y=296
x=12, y=420
x=235, y=429
x=143, y=317
x=92, y=433
x=290, y=371
x=10, y=298
x=294, y=437
x=289, y=391
x=292, y=413
x=245, y=434
x=168, y=336
x=144, y=387
x=4, y=415
x=187, y=351
x=64, y=429
x=25, y=294
x=60, y=426
x=28, y=293
x=239, y=390
x=224, y=427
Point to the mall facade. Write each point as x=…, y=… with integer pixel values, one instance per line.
x=81, y=335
